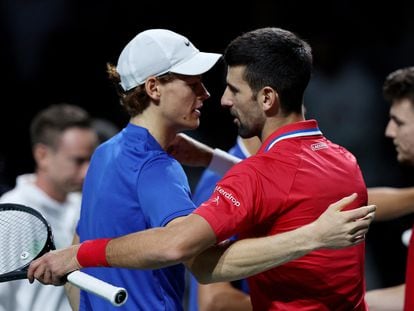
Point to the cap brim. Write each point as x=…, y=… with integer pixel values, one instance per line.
x=197, y=65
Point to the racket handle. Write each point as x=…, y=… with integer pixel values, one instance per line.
x=116, y=295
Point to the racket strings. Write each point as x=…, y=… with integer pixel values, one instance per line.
x=22, y=238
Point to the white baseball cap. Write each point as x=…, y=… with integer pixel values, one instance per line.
x=157, y=51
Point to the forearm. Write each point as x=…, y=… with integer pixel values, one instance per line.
x=333, y=229
x=222, y=161
x=242, y=259
x=391, y=202
x=150, y=249
x=386, y=299
x=191, y=152
x=181, y=240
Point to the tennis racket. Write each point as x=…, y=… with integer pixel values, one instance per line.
x=26, y=235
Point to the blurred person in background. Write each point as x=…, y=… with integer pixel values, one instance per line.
x=398, y=89
x=62, y=142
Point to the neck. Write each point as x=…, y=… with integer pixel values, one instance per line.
x=273, y=124
x=251, y=144
x=163, y=134
x=47, y=186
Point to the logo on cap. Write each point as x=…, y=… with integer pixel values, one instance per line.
x=187, y=43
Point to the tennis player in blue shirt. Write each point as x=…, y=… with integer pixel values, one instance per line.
x=132, y=183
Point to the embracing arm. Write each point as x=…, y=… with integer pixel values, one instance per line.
x=333, y=229
x=155, y=248
x=184, y=239
x=191, y=152
x=391, y=202
x=179, y=241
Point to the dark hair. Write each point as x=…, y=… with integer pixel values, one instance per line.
x=399, y=84
x=274, y=57
x=49, y=123
x=136, y=100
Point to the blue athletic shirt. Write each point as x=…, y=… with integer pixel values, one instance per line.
x=132, y=184
x=203, y=191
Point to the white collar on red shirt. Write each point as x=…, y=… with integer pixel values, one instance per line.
x=299, y=132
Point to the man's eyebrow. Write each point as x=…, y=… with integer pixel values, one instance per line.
x=232, y=87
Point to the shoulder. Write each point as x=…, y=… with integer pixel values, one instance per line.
x=24, y=188
x=162, y=168
x=348, y=155
x=74, y=199
x=244, y=171
x=162, y=160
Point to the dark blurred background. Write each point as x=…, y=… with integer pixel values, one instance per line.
x=56, y=50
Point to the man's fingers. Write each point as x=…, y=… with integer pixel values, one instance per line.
x=359, y=231
x=363, y=212
x=358, y=239
x=370, y=216
x=46, y=277
x=360, y=226
x=341, y=204
x=31, y=271
x=37, y=271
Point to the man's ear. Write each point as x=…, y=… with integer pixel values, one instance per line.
x=40, y=154
x=270, y=100
x=152, y=88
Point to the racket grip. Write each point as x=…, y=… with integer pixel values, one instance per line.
x=116, y=295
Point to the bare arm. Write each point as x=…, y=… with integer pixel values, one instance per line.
x=184, y=239
x=191, y=152
x=180, y=240
x=73, y=292
x=333, y=229
x=386, y=299
x=222, y=296
x=391, y=202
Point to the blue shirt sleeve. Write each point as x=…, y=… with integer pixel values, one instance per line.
x=163, y=191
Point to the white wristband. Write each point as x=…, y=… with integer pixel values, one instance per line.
x=222, y=161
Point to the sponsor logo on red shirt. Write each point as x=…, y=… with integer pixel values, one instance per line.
x=319, y=146
x=227, y=195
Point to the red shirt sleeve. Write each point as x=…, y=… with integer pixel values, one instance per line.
x=230, y=209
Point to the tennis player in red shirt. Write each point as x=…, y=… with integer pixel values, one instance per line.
x=288, y=183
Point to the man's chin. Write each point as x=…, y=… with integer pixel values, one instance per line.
x=406, y=162
x=75, y=189
x=246, y=135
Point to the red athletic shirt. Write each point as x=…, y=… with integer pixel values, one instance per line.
x=409, y=277
x=295, y=176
